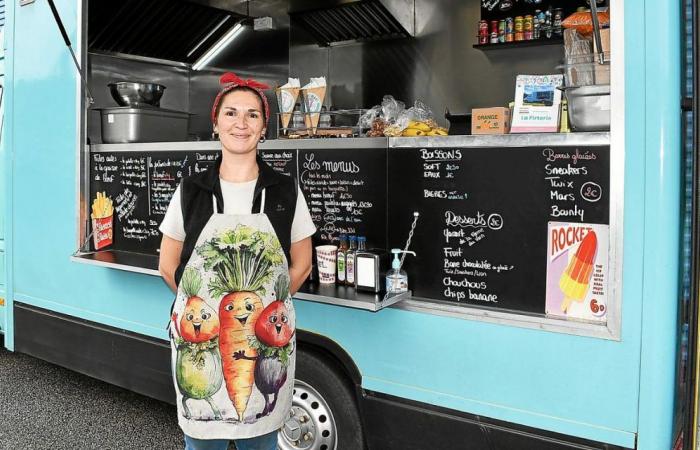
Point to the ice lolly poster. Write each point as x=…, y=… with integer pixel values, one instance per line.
x=577, y=271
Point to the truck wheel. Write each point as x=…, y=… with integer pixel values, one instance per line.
x=324, y=415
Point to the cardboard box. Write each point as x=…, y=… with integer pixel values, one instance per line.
x=490, y=120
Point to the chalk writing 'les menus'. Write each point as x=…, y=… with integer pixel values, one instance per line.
x=346, y=192
x=330, y=199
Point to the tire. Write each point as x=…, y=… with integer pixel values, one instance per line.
x=324, y=410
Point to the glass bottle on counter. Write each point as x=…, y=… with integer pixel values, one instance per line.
x=361, y=243
x=297, y=118
x=548, y=23
x=340, y=266
x=325, y=119
x=350, y=262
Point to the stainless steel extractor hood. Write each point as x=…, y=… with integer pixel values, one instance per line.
x=175, y=30
x=330, y=21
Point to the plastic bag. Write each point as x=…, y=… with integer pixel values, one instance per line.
x=582, y=22
x=369, y=116
x=392, y=109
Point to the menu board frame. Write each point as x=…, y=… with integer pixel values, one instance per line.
x=610, y=330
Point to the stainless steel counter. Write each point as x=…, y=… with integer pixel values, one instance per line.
x=273, y=144
x=504, y=140
x=481, y=141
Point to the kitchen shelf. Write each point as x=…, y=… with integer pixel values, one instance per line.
x=333, y=294
x=118, y=259
x=519, y=44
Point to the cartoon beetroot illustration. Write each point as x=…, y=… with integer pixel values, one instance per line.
x=198, y=363
x=243, y=260
x=273, y=328
x=273, y=333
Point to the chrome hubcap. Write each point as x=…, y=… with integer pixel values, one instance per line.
x=310, y=425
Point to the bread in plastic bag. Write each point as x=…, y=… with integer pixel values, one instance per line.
x=582, y=22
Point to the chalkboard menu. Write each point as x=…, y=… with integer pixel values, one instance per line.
x=283, y=161
x=481, y=238
x=346, y=192
x=140, y=185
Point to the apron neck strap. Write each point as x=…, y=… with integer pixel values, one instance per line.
x=262, y=203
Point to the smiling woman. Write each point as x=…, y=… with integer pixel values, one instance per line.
x=223, y=247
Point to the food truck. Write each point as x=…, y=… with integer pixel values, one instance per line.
x=552, y=298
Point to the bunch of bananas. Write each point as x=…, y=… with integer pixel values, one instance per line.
x=424, y=128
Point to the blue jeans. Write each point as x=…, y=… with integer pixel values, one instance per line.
x=264, y=442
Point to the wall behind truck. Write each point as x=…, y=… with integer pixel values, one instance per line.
x=438, y=67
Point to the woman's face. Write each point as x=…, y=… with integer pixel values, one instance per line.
x=240, y=122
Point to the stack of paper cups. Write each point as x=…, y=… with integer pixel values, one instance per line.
x=286, y=99
x=326, y=256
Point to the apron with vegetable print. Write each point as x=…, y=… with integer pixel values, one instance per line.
x=233, y=343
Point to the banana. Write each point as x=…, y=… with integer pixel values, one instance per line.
x=440, y=131
x=418, y=125
x=413, y=132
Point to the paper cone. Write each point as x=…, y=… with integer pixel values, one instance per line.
x=286, y=99
x=313, y=99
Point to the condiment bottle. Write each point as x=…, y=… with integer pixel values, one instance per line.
x=340, y=265
x=350, y=262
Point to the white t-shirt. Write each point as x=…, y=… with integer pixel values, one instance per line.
x=238, y=199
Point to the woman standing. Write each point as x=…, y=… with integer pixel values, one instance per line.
x=236, y=245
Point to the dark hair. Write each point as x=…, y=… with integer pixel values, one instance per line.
x=241, y=88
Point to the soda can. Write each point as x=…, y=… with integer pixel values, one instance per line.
x=483, y=32
x=510, y=29
x=519, y=22
x=494, y=32
x=502, y=31
x=528, y=28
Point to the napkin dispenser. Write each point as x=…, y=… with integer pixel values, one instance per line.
x=370, y=269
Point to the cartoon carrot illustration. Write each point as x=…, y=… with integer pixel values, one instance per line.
x=243, y=260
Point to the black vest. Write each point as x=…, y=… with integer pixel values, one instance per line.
x=197, y=205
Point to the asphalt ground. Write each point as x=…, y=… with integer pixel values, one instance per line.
x=43, y=406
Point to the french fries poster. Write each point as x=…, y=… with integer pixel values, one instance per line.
x=577, y=271
x=102, y=228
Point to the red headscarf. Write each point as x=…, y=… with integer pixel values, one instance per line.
x=230, y=80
